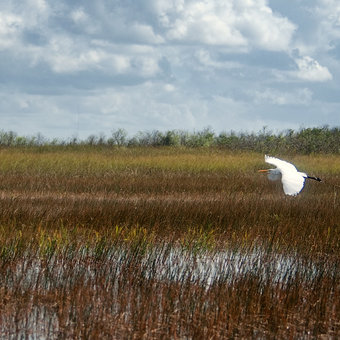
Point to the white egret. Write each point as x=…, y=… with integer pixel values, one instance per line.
x=292, y=180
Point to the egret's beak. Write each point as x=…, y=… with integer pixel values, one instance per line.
x=266, y=170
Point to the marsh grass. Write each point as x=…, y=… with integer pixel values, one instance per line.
x=165, y=243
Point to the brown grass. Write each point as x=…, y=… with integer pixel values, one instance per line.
x=168, y=244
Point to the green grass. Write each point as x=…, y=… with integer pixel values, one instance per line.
x=97, y=161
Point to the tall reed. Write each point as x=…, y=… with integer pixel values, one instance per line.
x=165, y=243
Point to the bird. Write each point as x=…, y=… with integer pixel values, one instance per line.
x=292, y=180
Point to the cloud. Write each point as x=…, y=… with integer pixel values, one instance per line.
x=319, y=33
x=68, y=42
x=147, y=106
x=113, y=22
x=207, y=60
x=10, y=28
x=75, y=39
x=63, y=54
x=329, y=14
x=262, y=27
x=306, y=69
x=310, y=70
x=273, y=96
x=238, y=24
x=165, y=64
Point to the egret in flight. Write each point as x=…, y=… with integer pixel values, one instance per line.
x=292, y=180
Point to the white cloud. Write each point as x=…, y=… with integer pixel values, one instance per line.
x=66, y=55
x=264, y=29
x=310, y=70
x=200, y=22
x=239, y=24
x=71, y=52
x=163, y=64
x=236, y=23
x=10, y=28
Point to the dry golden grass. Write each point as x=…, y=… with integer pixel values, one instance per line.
x=166, y=243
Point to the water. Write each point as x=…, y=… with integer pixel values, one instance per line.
x=168, y=262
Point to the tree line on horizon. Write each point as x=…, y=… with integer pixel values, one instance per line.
x=305, y=140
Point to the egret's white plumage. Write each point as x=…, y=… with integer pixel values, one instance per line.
x=292, y=180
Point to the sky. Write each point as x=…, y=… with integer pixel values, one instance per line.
x=75, y=68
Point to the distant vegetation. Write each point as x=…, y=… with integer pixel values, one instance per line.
x=303, y=141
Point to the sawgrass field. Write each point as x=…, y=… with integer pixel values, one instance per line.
x=166, y=242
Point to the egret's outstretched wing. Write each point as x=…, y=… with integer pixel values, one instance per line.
x=280, y=164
